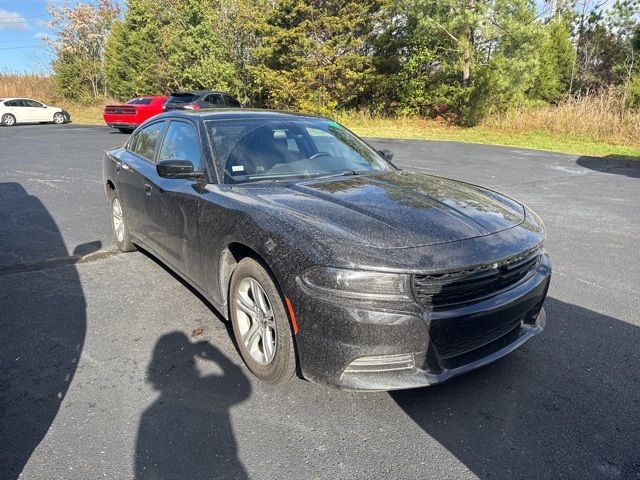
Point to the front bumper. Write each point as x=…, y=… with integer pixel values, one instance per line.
x=334, y=334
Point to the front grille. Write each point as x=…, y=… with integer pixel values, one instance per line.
x=470, y=340
x=446, y=289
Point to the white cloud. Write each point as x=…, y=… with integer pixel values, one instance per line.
x=40, y=35
x=12, y=21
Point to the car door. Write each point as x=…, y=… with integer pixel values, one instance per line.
x=37, y=111
x=18, y=109
x=136, y=164
x=172, y=203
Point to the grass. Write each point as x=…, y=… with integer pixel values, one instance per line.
x=42, y=88
x=423, y=129
x=595, y=126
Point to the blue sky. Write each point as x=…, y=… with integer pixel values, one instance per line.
x=21, y=26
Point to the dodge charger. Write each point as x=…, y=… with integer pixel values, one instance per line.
x=330, y=262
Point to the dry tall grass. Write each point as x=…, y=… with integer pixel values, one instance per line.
x=42, y=88
x=564, y=127
x=31, y=86
x=602, y=117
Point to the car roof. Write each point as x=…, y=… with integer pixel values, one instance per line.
x=234, y=113
x=199, y=92
x=20, y=98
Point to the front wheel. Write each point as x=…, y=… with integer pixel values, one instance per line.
x=119, y=224
x=260, y=323
x=8, y=120
x=58, y=118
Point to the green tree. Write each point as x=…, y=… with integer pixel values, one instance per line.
x=318, y=55
x=556, y=56
x=471, y=57
x=165, y=45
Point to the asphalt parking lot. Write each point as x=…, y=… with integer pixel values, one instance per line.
x=101, y=375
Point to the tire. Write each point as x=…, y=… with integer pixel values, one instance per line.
x=125, y=130
x=119, y=225
x=265, y=341
x=8, y=120
x=58, y=118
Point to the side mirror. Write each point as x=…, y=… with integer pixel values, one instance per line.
x=387, y=154
x=176, y=169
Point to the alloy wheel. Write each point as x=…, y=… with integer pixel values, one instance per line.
x=58, y=118
x=118, y=219
x=256, y=322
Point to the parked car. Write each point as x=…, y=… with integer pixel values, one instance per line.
x=326, y=258
x=26, y=110
x=128, y=116
x=200, y=99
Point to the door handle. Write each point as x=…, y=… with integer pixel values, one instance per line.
x=147, y=189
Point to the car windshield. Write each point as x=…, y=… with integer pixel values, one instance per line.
x=250, y=150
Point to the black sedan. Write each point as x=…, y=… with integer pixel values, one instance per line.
x=329, y=261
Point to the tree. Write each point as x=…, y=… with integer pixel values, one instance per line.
x=167, y=45
x=556, y=56
x=470, y=58
x=318, y=55
x=79, y=36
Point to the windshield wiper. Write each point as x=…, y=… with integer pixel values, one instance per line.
x=344, y=173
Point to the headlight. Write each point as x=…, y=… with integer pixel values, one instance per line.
x=358, y=284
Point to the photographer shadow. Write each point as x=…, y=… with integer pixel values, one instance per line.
x=564, y=406
x=187, y=432
x=43, y=323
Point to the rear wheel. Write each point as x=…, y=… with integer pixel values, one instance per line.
x=8, y=120
x=58, y=118
x=260, y=323
x=119, y=224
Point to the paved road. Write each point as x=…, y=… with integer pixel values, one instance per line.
x=101, y=376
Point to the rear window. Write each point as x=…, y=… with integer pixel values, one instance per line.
x=139, y=101
x=182, y=98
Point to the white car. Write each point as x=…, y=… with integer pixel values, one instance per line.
x=25, y=110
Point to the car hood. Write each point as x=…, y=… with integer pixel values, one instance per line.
x=392, y=210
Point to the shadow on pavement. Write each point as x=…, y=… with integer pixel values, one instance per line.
x=549, y=409
x=616, y=164
x=42, y=327
x=186, y=432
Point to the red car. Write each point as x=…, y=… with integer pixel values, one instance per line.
x=128, y=116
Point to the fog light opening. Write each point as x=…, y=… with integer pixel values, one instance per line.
x=381, y=363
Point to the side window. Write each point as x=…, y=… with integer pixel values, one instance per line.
x=32, y=103
x=181, y=143
x=231, y=102
x=215, y=100
x=144, y=142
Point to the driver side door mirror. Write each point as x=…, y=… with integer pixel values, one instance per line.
x=176, y=169
x=387, y=154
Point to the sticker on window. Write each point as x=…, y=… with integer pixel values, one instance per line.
x=237, y=168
